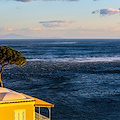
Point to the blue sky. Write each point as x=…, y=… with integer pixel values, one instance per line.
x=61, y=18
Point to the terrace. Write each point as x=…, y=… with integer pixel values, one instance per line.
x=39, y=104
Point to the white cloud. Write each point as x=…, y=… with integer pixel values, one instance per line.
x=98, y=29
x=35, y=29
x=108, y=11
x=43, y=0
x=6, y=29
x=24, y=0
x=55, y=23
x=92, y=29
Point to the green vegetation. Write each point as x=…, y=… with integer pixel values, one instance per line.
x=10, y=56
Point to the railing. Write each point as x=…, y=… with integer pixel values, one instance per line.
x=40, y=117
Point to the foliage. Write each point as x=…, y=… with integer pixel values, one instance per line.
x=11, y=56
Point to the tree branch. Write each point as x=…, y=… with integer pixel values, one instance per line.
x=2, y=60
x=3, y=67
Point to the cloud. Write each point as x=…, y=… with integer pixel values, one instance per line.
x=109, y=11
x=92, y=29
x=6, y=29
x=35, y=29
x=98, y=29
x=43, y=0
x=24, y=0
x=55, y=23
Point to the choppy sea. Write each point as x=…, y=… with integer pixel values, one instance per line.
x=80, y=77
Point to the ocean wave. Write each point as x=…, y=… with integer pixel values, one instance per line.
x=87, y=59
x=62, y=42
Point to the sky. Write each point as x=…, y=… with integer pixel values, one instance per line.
x=72, y=19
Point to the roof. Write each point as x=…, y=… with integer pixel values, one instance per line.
x=40, y=103
x=10, y=95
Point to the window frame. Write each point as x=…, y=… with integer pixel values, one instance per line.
x=20, y=111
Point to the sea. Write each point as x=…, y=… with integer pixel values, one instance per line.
x=81, y=77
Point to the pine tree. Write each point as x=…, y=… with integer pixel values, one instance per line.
x=10, y=56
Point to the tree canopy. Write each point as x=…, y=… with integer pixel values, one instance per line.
x=10, y=56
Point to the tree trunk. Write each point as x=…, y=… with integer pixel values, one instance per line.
x=1, y=83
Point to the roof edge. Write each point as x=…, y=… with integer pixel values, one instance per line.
x=40, y=103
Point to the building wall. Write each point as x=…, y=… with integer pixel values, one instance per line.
x=7, y=111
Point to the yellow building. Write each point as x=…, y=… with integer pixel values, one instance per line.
x=18, y=106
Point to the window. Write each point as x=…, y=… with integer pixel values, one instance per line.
x=19, y=114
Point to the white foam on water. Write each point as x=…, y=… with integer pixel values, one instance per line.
x=87, y=59
x=63, y=43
